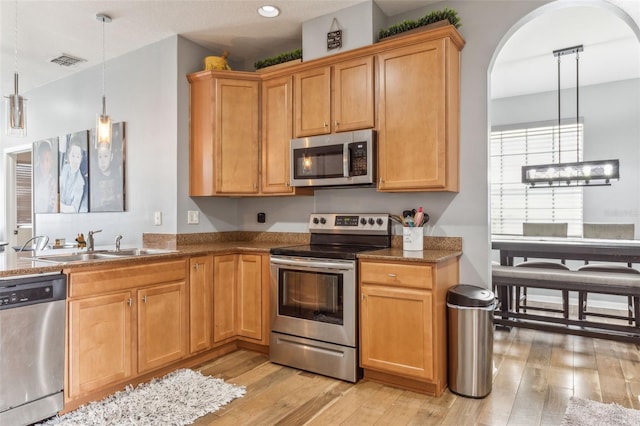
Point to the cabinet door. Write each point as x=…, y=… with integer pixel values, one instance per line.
x=396, y=333
x=312, y=102
x=353, y=95
x=162, y=325
x=250, y=296
x=224, y=297
x=201, y=162
x=236, y=136
x=200, y=303
x=412, y=137
x=277, y=130
x=100, y=342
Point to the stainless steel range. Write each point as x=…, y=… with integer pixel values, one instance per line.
x=314, y=293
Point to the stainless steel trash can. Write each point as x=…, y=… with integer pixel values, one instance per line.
x=470, y=334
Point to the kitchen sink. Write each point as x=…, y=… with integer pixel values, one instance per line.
x=138, y=252
x=74, y=257
x=100, y=255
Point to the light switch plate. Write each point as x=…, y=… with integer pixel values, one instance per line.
x=157, y=218
x=193, y=217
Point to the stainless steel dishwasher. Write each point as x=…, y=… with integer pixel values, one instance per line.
x=32, y=322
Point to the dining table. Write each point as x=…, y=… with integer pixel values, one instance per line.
x=582, y=249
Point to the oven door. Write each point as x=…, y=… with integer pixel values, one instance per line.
x=314, y=298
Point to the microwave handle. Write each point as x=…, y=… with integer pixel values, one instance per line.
x=346, y=160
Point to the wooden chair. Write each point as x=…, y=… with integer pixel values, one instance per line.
x=582, y=295
x=542, y=229
x=609, y=231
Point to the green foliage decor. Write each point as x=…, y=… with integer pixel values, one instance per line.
x=283, y=57
x=435, y=16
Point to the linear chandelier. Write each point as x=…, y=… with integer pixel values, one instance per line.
x=578, y=173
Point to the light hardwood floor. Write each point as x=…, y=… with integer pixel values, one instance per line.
x=536, y=374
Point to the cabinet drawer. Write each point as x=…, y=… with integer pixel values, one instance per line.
x=400, y=274
x=116, y=278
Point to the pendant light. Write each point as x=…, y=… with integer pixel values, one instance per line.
x=15, y=104
x=103, y=122
x=578, y=173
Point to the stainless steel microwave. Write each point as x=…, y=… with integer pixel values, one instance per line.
x=338, y=159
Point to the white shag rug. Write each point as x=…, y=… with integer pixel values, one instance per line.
x=583, y=412
x=177, y=399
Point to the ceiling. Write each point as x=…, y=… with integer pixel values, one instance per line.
x=526, y=63
x=49, y=28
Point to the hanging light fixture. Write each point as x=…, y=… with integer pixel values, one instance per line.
x=15, y=104
x=103, y=123
x=578, y=173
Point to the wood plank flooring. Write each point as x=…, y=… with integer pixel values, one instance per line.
x=535, y=375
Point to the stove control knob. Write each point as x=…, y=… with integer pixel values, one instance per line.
x=315, y=220
x=323, y=220
x=371, y=221
x=363, y=221
x=379, y=221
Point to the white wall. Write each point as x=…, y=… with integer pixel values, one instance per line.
x=142, y=90
x=611, y=115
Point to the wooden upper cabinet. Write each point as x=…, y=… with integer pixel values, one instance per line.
x=277, y=131
x=353, y=95
x=335, y=98
x=418, y=117
x=224, y=142
x=312, y=102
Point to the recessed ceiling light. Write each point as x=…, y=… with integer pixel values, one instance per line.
x=268, y=11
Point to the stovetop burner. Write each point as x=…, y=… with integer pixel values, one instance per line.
x=342, y=236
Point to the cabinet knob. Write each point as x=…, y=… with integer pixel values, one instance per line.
x=337, y=123
x=144, y=299
x=324, y=123
x=130, y=302
x=392, y=275
x=196, y=266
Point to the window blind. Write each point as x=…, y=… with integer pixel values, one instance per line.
x=512, y=202
x=23, y=194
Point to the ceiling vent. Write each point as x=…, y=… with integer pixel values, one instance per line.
x=65, y=60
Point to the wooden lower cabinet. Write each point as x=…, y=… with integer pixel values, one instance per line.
x=403, y=322
x=224, y=297
x=397, y=333
x=162, y=325
x=200, y=303
x=124, y=322
x=100, y=342
x=127, y=322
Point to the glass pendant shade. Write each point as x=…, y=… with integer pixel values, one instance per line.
x=103, y=126
x=16, y=113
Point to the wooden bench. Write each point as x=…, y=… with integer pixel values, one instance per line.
x=505, y=277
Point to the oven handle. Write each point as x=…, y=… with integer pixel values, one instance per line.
x=312, y=263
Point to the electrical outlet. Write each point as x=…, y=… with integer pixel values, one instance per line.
x=157, y=218
x=193, y=217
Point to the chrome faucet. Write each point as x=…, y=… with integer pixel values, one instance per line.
x=90, y=242
x=118, y=238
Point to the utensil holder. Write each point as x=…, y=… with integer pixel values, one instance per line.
x=412, y=239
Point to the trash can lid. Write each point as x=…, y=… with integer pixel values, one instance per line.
x=470, y=295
